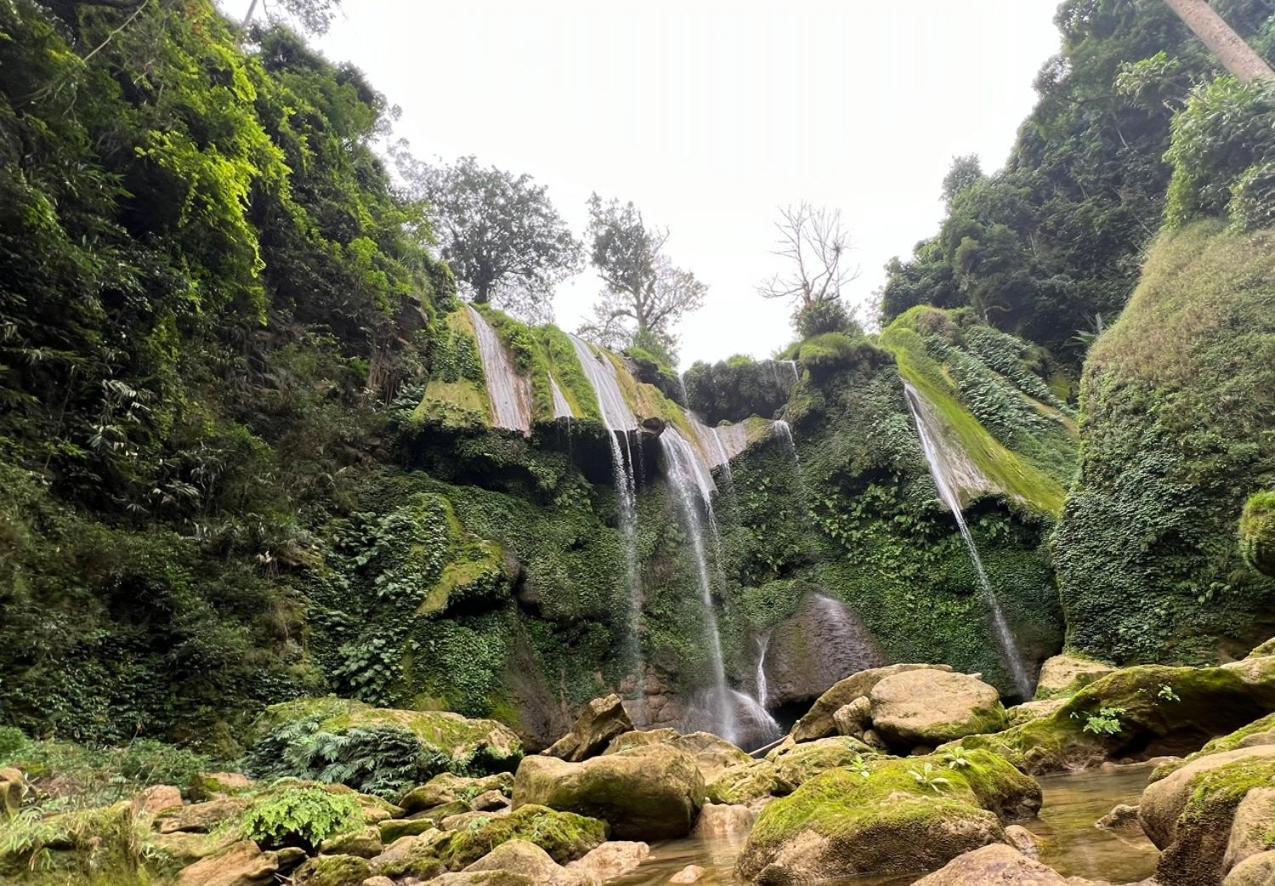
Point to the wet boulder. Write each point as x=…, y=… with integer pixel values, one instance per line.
x=652, y=792
x=602, y=720
x=928, y=707
x=819, y=721
x=611, y=860
x=526, y=858
x=1067, y=673
x=565, y=836
x=890, y=816
x=996, y=865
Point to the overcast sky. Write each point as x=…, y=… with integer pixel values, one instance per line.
x=710, y=114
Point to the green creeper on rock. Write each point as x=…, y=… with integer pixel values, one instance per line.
x=1257, y=532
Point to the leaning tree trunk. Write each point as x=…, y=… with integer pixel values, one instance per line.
x=1235, y=55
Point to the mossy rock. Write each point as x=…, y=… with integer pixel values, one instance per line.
x=1189, y=813
x=97, y=846
x=1157, y=710
x=798, y=764
x=891, y=816
x=564, y=835
x=333, y=870
x=462, y=739
x=1257, y=533
x=644, y=793
x=743, y=783
x=927, y=707
x=1066, y=673
x=447, y=787
x=818, y=722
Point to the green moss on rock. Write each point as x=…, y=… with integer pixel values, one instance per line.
x=1257, y=532
x=564, y=835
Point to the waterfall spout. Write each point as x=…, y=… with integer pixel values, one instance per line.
x=949, y=497
x=619, y=420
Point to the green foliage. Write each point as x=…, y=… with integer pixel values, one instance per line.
x=824, y=317
x=1106, y=721
x=1052, y=244
x=66, y=774
x=928, y=777
x=1223, y=156
x=381, y=761
x=1257, y=532
x=299, y=815
x=1148, y=565
x=736, y=388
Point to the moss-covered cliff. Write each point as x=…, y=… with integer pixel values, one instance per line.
x=1178, y=417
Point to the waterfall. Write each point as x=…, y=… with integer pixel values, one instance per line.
x=760, y=688
x=948, y=494
x=509, y=392
x=694, y=495
x=561, y=408
x=619, y=420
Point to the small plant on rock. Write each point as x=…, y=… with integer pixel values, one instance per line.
x=302, y=816
x=1105, y=722
x=928, y=777
x=958, y=758
x=859, y=766
x=1166, y=693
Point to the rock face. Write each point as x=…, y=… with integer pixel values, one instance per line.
x=929, y=707
x=818, y=721
x=822, y=643
x=884, y=819
x=995, y=865
x=651, y=792
x=602, y=720
x=1064, y=674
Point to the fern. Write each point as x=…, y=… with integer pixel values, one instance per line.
x=304, y=817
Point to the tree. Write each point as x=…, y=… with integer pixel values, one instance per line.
x=314, y=16
x=964, y=173
x=499, y=232
x=1235, y=55
x=816, y=246
x=645, y=295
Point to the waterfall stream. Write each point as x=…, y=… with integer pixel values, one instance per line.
x=694, y=495
x=947, y=493
x=619, y=420
x=508, y=391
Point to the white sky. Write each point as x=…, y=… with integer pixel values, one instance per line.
x=709, y=114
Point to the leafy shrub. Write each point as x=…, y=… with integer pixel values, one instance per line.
x=300, y=816
x=1257, y=532
x=1105, y=722
x=1223, y=155
x=825, y=316
x=736, y=388
x=90, y=776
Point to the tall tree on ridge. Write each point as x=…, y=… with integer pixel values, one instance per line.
x=645, y=295
x=1230, y=48
x=500, y=233
x=816, y=247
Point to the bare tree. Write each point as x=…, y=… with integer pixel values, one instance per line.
x=314, y=16
x=817, y=246
x=1235, y=55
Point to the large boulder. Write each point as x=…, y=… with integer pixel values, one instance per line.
x=651, y=792
x=1150, y=710
x=890, y=816
x=611, y=860
x=1066, y=673
x=602, y=720
x=465, y=743
x=799, y=763
x=332, y=870
x=564, y=835
x=526, y=858
x=1251, y=828
x=1189, y=813
x=823, y=642
x=995, y=865
x=240, y=864
x=713, y=755
x=819, y=721
x=1256, y=870
x=744, y=783
x=929, y=707
x=448, y=788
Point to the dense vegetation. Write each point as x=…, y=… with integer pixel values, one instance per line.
x=1050, y=247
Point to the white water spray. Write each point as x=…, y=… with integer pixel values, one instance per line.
x=947, y=492
x=619, y=420
x=508, y=391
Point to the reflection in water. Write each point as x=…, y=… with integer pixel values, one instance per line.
x=1069, y=841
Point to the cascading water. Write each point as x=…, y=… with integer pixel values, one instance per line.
x=694, y=496
x=619, y=420
x=948, y=494
x=561, y=408
x=508, y=391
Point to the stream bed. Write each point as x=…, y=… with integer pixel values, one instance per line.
x=1069, y=842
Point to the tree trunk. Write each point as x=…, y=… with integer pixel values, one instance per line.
x=1235, y=55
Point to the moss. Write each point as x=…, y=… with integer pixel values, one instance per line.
x=1241, y=737
x=103, y=846
x=934, y=369
x=456, y=394
x=1257, y=532
x=333, y=870
x=1161, y=709
x=566, y=370
x=1178, y=405
x=564, y=835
